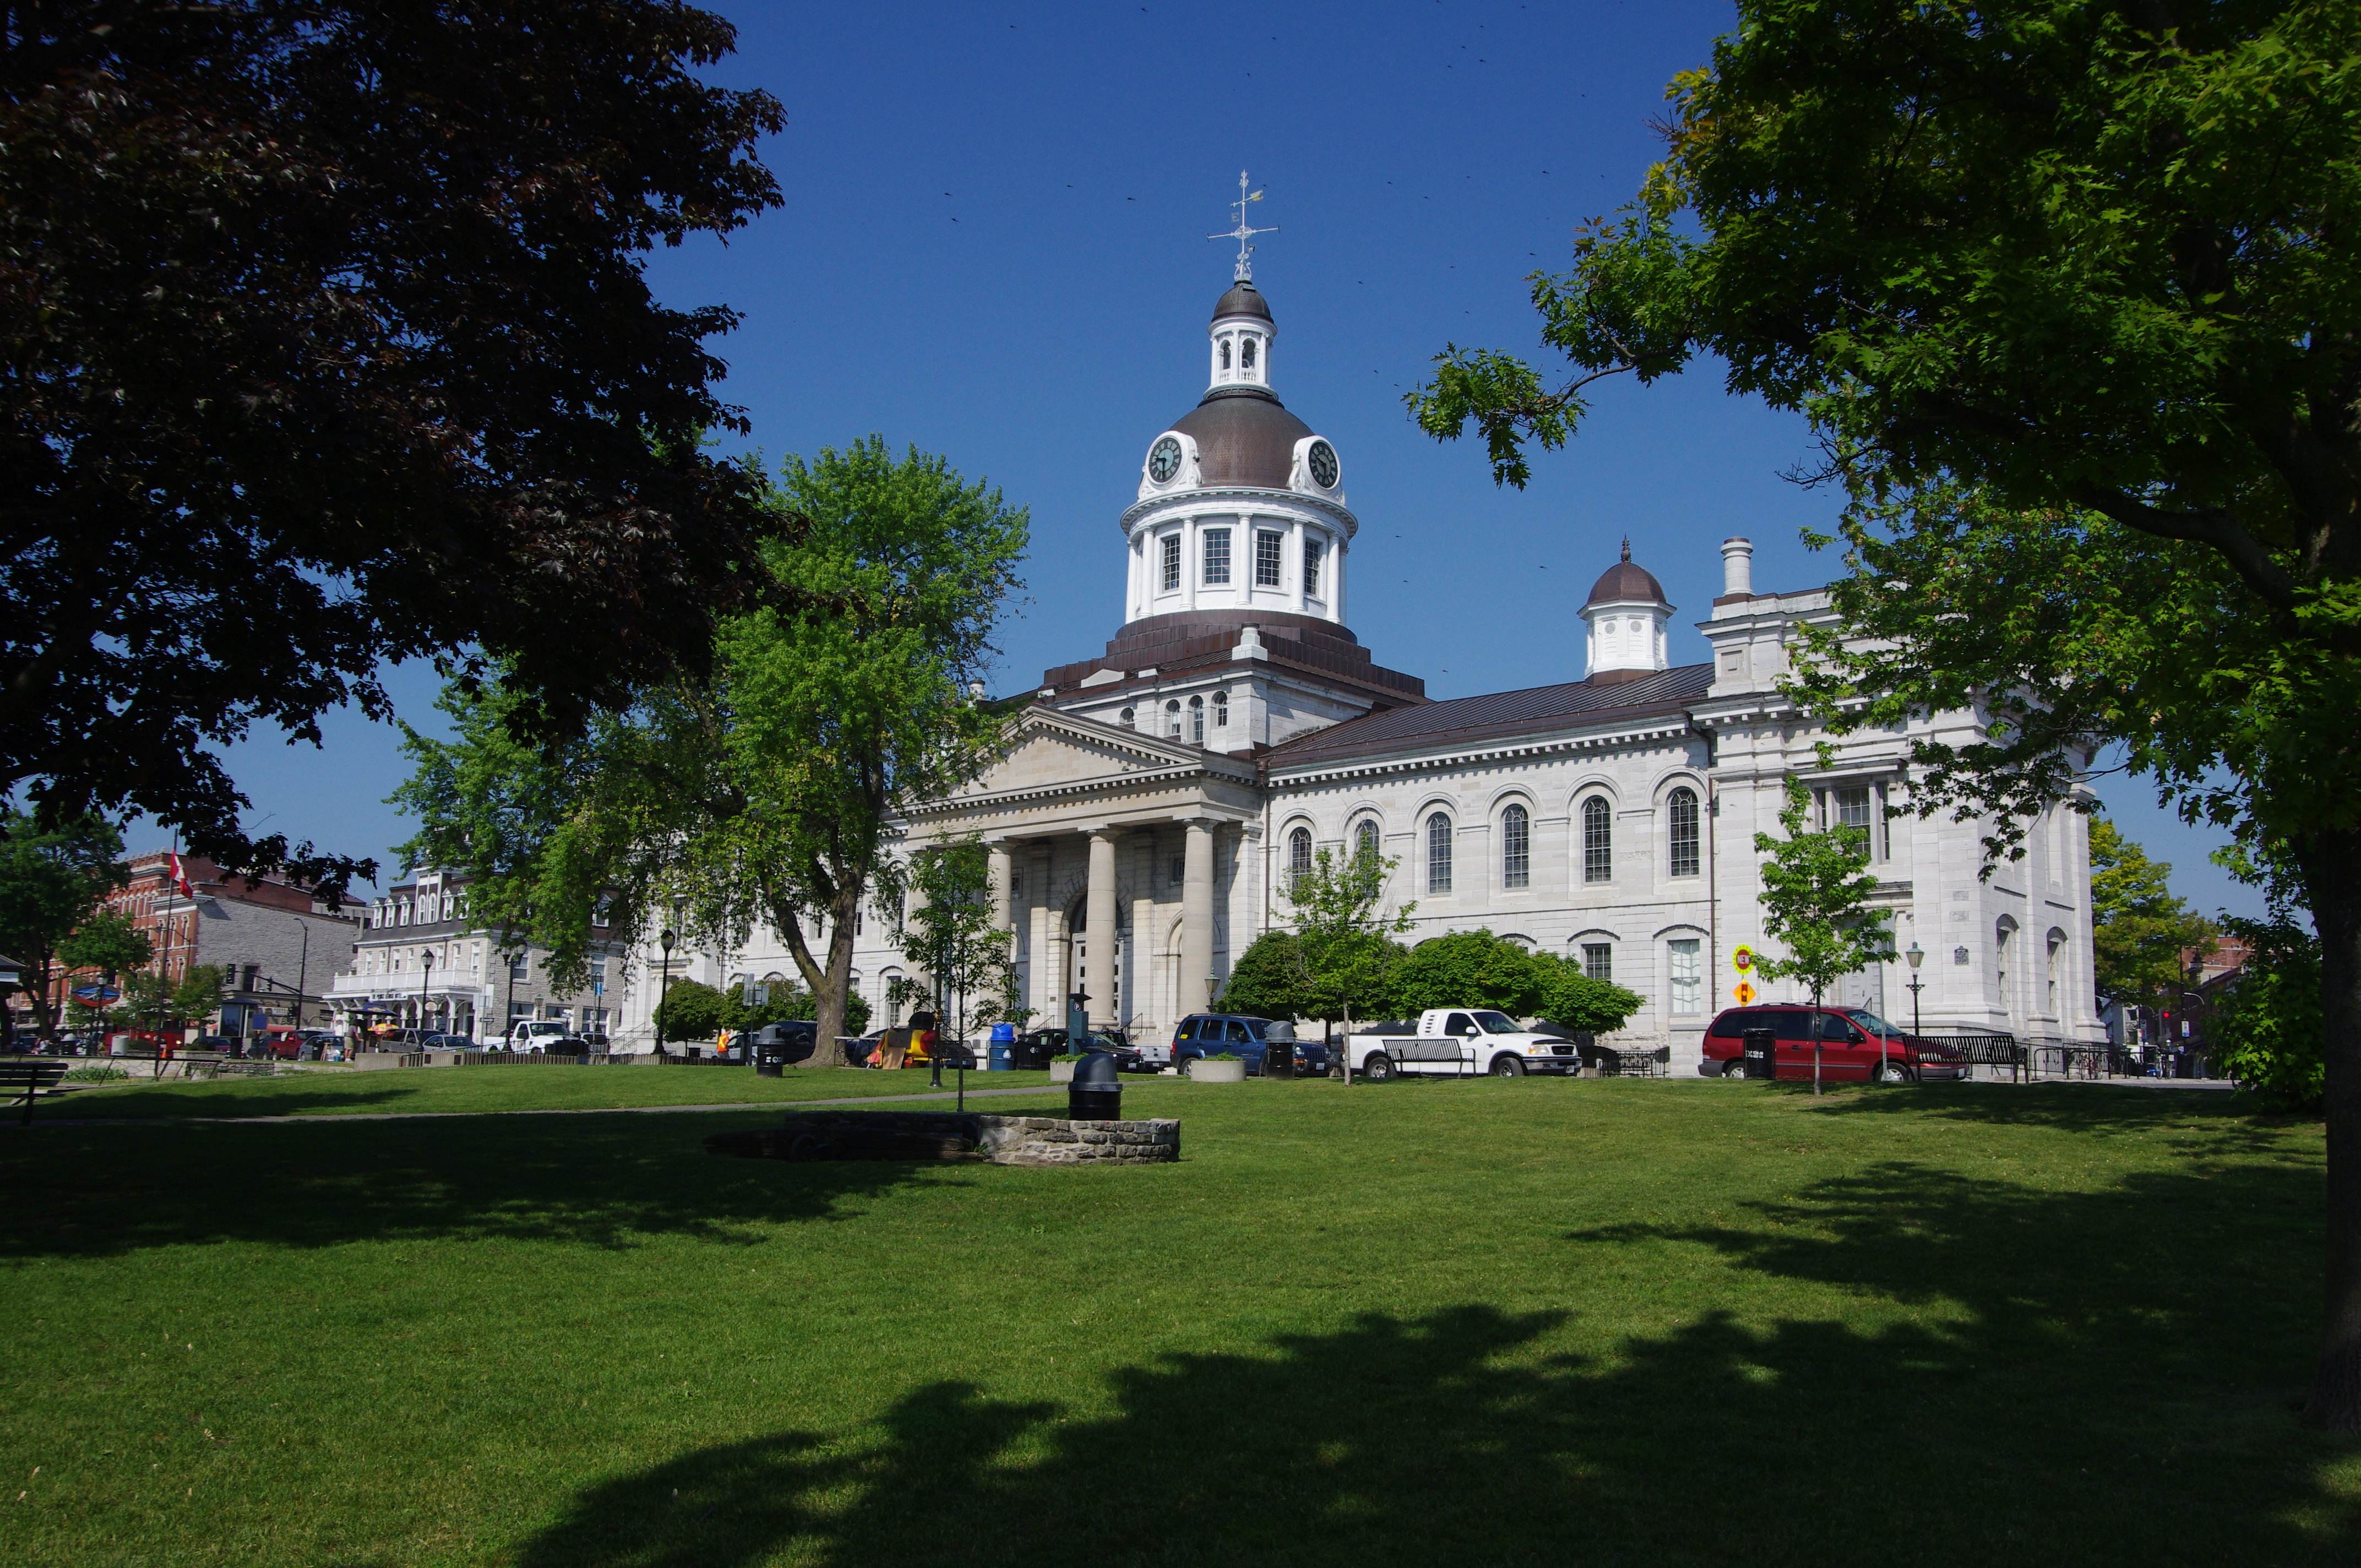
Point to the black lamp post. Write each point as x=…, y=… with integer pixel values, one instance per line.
x=1917, y=955
x=426, y=974
x=664, y=939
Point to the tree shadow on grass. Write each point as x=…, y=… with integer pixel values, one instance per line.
x=2077, y=1108
x=604, y=1180
x=2031, y=1377
x=230, y=1099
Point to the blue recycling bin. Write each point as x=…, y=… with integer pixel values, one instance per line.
x=1003, y=1048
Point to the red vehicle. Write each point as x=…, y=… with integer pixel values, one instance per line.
x=1855, y=1045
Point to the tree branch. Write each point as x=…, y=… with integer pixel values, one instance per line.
x=2210, y=526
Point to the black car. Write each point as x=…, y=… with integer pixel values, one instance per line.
x=1037, y=1048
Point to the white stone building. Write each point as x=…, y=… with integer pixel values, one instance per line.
x=1154, y=797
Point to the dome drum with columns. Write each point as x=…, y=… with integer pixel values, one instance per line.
x=1152, y=803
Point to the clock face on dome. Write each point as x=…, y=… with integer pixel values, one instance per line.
x=1322, y=460
x=1164, y=460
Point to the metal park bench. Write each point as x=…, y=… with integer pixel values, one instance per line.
x=1633, y=1061
x=1991, y=1050
x=2071, y=1062
x=31, y=1076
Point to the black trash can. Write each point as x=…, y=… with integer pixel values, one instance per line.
x=1759, y=1051
x=1096, y=1092
x=1279, y=1051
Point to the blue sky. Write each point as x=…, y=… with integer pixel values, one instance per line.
x=992, y=247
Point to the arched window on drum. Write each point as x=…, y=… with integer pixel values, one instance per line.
x=1365, y=840
x=1299, y=856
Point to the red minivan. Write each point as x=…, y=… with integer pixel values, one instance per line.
x=1855, y=1045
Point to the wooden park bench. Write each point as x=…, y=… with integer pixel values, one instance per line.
x=30, y=1076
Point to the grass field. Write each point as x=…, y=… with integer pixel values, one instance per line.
x=1496, y=1321
x=410, y=1091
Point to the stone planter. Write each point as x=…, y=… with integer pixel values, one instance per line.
x=1203, y=1072
x=1062, y=1071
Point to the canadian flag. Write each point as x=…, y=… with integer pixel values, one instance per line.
x=181, y=878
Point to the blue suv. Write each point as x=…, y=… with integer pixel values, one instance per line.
x=1250, y=1039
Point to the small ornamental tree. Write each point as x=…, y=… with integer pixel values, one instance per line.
x=1344, y=940
x=949, y=935
x=1816, y=892
x=2265, y=1032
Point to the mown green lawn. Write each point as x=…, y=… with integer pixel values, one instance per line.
x=1525, y=1321
x=507, y=1087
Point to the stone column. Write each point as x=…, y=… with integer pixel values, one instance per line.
x=1295, y=544
x=1196, y=916
x=997, y=880
x=1098, y=929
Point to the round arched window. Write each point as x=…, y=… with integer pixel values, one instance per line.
x=1365, y=839
x=1438, y=853
x=1516, y=848
x=1299, y=856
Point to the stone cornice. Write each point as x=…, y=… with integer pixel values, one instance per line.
x=1669, y=728
x=1188, y=499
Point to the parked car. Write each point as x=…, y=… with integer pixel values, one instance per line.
x=1039, y=1047
x=447, y=1043
x=1246, y=1036
x=539, y=1035
x=1455, y=1040
x=1855, y=1046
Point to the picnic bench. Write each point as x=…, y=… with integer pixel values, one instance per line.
x=30, y=1076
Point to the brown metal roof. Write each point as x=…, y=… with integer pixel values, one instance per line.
x=1243, y=299
x=1244, y=436
x=1500, y=716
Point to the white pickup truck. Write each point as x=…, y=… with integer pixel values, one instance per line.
x=1455, y=1041
x=532, y=1035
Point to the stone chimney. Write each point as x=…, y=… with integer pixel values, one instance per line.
x=1737, y=568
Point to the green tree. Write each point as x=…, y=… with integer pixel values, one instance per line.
x=1467, y=968
x=1572, y=1000
x=108, y=943
x=1268, y=978
x=1345, y=938
x=2066, y=289
x=692, y=1010
x=949, y=935
x=768, y=794
x=2139, y=928
x=162, y=1004
x=329, y=339
x=50, y=881
x=2265, y=1032
x=1816, y=892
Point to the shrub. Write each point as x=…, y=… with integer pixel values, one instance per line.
x=94, y=1075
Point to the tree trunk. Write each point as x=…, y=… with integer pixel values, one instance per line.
x=2328, y=861
x=45, y=1022
x=829, y=999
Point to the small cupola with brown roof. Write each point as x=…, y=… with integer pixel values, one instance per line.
x=1628, y=619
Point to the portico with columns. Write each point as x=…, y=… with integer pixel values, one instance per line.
x=1120, y=864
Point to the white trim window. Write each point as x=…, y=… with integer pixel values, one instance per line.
x=1685, y=963
x=1365, y=839
x=1172, y=563
x=1267, y=558
x=1681, y=832
x=1516, y=848
x=1438, y=852
x=1217, y=558
x=1598, y=841
x=1313, y=552
x=1299, y=858
x=1599, y=960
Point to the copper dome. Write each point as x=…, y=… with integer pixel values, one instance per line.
x=1243, y=299
x=1244, y=436
x=1623, y=583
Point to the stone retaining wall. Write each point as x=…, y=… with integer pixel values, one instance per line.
x=953, y=1136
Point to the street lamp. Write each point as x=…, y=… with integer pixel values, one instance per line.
x=1917, y=955
x=426, y=974
x=664, y=939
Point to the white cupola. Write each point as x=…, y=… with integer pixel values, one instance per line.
x=1241, y=333
x=1628, y=620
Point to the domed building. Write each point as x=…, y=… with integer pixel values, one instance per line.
x=1154, y=799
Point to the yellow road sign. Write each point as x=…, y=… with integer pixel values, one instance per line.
x=1741, y=959
x=1745, y=993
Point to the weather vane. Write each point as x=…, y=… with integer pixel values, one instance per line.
x=1242, y=234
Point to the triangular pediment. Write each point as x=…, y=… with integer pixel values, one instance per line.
x=1046, y=748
